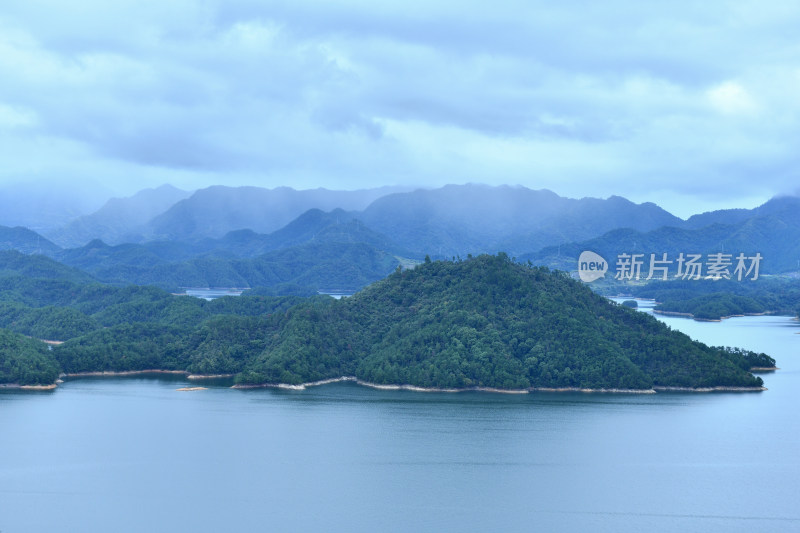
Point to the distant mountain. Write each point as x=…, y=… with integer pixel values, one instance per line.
x=721, y=216
x=98, y=256
x=17, y=264
x=772, y=229
x=452, y=220
x=320, y=266
x=135, y=262
x=313, y=226
x=218, y=210
x=462, y=219
x=25, y=241
x=120, y=219
x=783, y=206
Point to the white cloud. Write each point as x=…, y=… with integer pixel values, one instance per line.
x=731, y=98
x=15, y=117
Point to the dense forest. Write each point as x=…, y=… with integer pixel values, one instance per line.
x=480, y=322
x=25, y=361
x=712, y=300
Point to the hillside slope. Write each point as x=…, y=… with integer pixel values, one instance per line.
x=488, y=322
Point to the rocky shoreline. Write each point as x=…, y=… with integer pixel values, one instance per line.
x=27, y=387
x=709, y=389
x=416, y=388
x=380, y=386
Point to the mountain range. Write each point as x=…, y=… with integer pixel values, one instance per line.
x=452, y=220
x=772, y=230
x=228, y=235
x=120, y=219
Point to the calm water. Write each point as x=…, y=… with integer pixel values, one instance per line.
x=135, y=455
x=210, y=294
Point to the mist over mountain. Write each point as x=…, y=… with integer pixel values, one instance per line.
x=313, y=226
x=120, y=219
x=772, y=229
x=215, y=211
x=452, y=220
x=316, y=250
x=463, y=219
x=455, y=220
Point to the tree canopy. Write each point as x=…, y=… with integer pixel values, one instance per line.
x=482, y=322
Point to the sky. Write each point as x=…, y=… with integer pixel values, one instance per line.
x=691, y=105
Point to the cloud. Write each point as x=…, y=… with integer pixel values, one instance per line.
x=731, y=98
x=697, y=100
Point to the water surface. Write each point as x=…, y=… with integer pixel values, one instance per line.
x=133, y=454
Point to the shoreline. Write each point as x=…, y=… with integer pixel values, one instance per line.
x=416, y=388
x=17, y=386
x=380, y=386
x=112, y=373
x=659, y=388
x=720, y=319
x=763, y=369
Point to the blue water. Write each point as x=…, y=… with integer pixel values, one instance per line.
x=134, y=454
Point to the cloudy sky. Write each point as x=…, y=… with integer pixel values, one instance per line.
x=692, y=105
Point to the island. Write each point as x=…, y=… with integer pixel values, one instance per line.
x=481, y=323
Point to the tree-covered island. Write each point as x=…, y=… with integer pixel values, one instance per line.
x=484, y=322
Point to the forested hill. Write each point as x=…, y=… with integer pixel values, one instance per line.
x=482, y=322
x=489, y=322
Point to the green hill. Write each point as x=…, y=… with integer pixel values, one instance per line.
x=324, y=265
x=14, y=263
x=25, y=361
x=488, y=322
x=482, y=322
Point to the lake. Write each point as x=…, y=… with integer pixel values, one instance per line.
x=212, y=293
x=133, y=454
